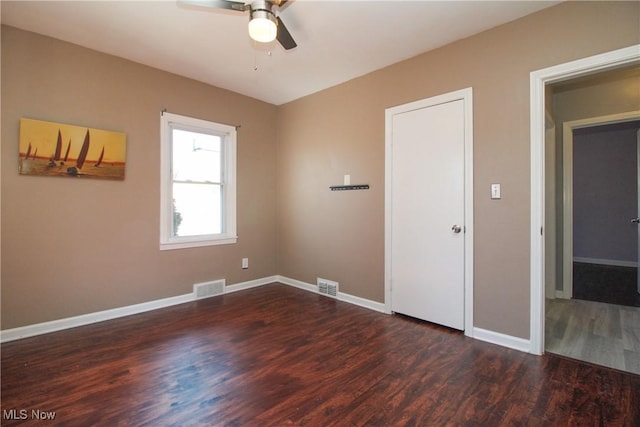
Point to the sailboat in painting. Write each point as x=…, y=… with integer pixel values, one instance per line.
x=66, y=155
x=58, y=152
x=75, y=170
x=99, y=162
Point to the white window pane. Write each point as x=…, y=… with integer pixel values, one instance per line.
x=196, y=156
x=197, y=209
x=198, y=187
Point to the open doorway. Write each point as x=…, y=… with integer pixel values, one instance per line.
x=604, y=216
x=540, y=81
x=591, y=185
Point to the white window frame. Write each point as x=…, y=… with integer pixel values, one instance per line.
x=228, y=136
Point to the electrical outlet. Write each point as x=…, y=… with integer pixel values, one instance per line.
x=245, y=263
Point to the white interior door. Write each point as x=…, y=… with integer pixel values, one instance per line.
x=427, y=213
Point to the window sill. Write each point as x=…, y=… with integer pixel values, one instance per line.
x=196, y=243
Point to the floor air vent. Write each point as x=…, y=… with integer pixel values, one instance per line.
x=327, y=287
x=208, y=289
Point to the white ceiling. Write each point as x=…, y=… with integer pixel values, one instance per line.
x=337, y=40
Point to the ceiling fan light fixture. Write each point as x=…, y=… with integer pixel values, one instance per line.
x=262, y=26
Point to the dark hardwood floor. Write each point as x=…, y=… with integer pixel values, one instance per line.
x=280, y=356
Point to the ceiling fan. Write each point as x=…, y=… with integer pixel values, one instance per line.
x=264, y=25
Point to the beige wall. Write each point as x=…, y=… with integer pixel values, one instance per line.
x=79, y=246
x=604, y=94
x=340, y=236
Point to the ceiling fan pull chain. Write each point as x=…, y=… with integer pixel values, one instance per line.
x=255, y=57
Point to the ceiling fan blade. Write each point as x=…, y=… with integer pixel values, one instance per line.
x=217, y=4
x=284, y=36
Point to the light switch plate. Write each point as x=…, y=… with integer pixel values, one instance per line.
x=495, y=191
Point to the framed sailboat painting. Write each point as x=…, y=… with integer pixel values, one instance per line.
x=56, y=149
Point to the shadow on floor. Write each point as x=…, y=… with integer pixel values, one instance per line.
x=606, y=283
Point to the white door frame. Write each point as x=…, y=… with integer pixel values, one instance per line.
x=467, y=96
x=567, y=166
x=538, y=80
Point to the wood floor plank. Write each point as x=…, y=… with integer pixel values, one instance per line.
x=630, y=320
x=605, y=334
x=280, y=356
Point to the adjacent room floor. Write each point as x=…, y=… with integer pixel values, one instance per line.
x=600, y=333
x=280, y=356
x=606, y=283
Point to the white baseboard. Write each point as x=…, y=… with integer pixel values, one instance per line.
x=297, y=284
x=362, y=302
x=100, y=316
x=603, y=261
x=492, y=337
x=87, y=319
x=250, y=284
x=351, y=299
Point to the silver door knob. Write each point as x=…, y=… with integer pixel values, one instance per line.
x=456, y=229
x=635, y=220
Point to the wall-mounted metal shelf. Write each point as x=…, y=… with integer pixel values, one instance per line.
x=349, y=187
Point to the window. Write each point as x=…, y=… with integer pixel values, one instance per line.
x=198, y=192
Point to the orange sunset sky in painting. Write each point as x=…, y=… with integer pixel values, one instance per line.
x=43, y=136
